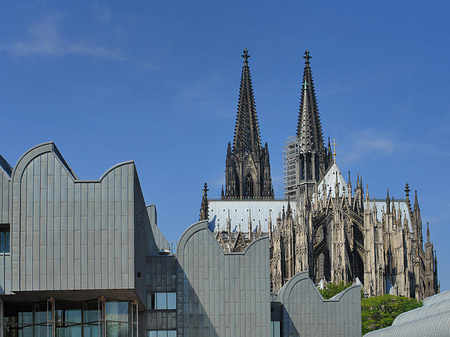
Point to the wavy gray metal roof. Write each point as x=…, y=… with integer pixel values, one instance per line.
x=433, y=319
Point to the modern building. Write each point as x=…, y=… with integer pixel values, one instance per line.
x=86, y=258
x=431, y=320
x=325, y=225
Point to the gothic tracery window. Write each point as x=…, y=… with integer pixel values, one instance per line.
x=249, y=187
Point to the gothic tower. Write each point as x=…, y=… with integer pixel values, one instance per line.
x=247, y=173
x=313, y=159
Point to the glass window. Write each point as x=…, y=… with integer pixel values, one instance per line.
x=117, y=329
x=162, y=333
x=171, y=300
x=4, y=238
x=275, y=329
x=117, y=311
x=162, y=301
x=151, y=301
x=25, y=318
x=91, y=312
x=90, y=330
x=43, y=312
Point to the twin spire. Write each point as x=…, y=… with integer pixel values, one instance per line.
x=309, y=129
x=247, y=138
x=247, y=173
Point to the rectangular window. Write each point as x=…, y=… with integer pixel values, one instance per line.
x=162, y=301
x=162, y=333
x=4, y=238
x=275, y=329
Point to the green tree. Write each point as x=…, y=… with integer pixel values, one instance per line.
x=331, y=289
x=380, y=311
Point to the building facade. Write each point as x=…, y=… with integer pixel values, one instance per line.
x=336, y=231
x=86, y=258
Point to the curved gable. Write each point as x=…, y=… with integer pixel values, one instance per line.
x=35, y=152
x=236, y=283
x=70, y=234
x=307, y=313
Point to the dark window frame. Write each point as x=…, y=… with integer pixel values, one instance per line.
x=5, y=239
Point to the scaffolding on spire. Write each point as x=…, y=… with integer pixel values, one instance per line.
x=291, y=149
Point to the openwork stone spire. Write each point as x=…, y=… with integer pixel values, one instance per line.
x=313, y=160
x=247, y=173
x=309, y=129
x=246, y=133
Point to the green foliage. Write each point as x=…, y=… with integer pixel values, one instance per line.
x=380, y=311
x=331, y=289
x=376, y=312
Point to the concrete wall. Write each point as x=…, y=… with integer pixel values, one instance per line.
x=222, y=294
x=306, y=313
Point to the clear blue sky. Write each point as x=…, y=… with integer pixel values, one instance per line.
x=157, y=82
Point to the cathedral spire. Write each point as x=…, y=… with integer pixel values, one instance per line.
x=388, y=201
x=313, y=160
x=247, y=173
x=246, y=133
x=309, y=129
x=416, y=201
x=204, y=207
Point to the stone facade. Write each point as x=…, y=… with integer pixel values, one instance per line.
x=336, y=232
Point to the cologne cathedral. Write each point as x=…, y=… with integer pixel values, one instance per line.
x=324, y=224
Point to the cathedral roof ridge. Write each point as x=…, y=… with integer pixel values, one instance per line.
x=268, y=199
x=383, y=199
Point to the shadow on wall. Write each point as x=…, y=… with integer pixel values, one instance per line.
x=306, y=313
x=195, y=319
x=222, y=293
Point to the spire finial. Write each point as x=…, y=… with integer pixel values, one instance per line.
x=307, y=57
x=334, y=149
x=245, y=55
x=204, y=207
x=407, y=190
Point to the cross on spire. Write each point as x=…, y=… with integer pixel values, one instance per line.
x=305, y=83
x=334, y=149
x=307, y=56
x=245, y=55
